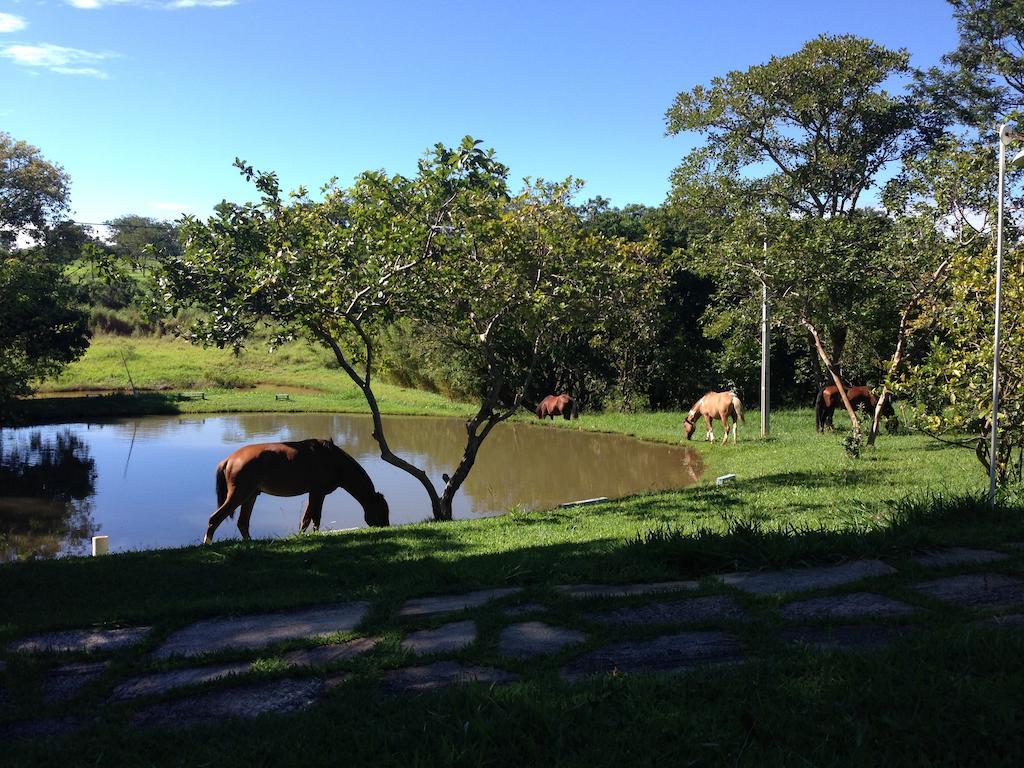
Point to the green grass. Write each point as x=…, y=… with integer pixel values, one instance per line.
x=949, y=695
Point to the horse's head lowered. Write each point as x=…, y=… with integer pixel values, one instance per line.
x=376, y=512
x=356, y=481
x=690, y=424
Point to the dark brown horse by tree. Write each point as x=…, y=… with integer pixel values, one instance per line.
x=715, y=405
x=829, y=399
x=316, y=467
x=558, y=405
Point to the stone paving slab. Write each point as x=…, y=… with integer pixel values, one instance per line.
x=531, y=638
x=444, y=639
x=958, y=556
x=279, y=696
x=852, y=637
x=441, y=674
x=849, y=606
x=425, y=606
x=690, y=611
x=328, y=654
x=162, y=682
x=260, y=630
x=520, y=610
x=42, y=729
x=977, y=590
x=80, y=640
x=667, y=653
x=67, y=681
x=1010, y=621
x=623, y=590
x=802, y=579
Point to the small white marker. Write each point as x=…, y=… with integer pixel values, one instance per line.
x=100, y=545
x=583, y=502
x=725, y=479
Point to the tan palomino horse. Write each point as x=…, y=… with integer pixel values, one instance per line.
x=715, y=405
x=316, y=467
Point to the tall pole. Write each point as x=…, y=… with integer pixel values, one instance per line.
x=766, y=375
x=1005, y=137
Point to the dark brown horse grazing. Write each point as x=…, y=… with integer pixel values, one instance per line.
x=829, y=399
x=558, y=405
x=316, y=467
x=715, y=405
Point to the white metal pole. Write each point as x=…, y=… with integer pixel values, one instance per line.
x=1005, y=136
x=766, y=376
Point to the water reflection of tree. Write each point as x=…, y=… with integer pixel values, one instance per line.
x=46, y=489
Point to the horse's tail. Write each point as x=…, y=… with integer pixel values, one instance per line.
x=575, y=413
x=222, y=488
x=819, y=410
x=739, y=408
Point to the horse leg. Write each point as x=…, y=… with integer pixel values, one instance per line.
x=724, y=416
x=317, y=506
x=244, y=514
x=312, y=513
x=233, y=499
x=710, y=421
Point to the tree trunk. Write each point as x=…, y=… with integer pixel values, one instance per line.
x=854, y=422
x=386, y=453
x=894, y=365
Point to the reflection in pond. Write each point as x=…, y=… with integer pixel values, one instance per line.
x=46, y=486
x=149, y=482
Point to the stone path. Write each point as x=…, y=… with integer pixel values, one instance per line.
x=802, y=579
x=450, y=637
x=692, y=611
x=979, y=590
x=531, y=638
x=425, y=606
x=440, y=674
x=821, y=622
x=247, y=632
x=850, y=606
x=667, y=653
x=80, y=640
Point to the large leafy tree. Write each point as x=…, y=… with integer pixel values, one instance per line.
x=41, y=329
x=496, y=279
x=982, y=80
x=33, y=191
x=792, y=148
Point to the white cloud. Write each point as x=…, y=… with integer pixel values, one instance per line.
x=57, y=58
x=11, y=23
x=167, y=4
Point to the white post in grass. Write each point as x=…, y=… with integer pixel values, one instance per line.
x=766, y=343
x=1006, y=136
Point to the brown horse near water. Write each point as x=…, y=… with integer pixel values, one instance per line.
x=829, y=399
x=558, y=405
x=316, y=467
x=715, y=405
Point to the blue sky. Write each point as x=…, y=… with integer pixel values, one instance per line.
x=147, y=102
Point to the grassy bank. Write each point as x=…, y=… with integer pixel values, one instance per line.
x=946, y=695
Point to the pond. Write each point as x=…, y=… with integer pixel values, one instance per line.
x=149, y=482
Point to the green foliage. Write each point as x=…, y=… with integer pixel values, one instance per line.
x=823, y=124
x=982, y=82
x=33, y=191
x=42, y=330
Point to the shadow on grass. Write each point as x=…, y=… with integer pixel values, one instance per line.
x=387, y=566
x=913, y=525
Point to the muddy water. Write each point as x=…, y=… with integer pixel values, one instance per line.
x=149, y=482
